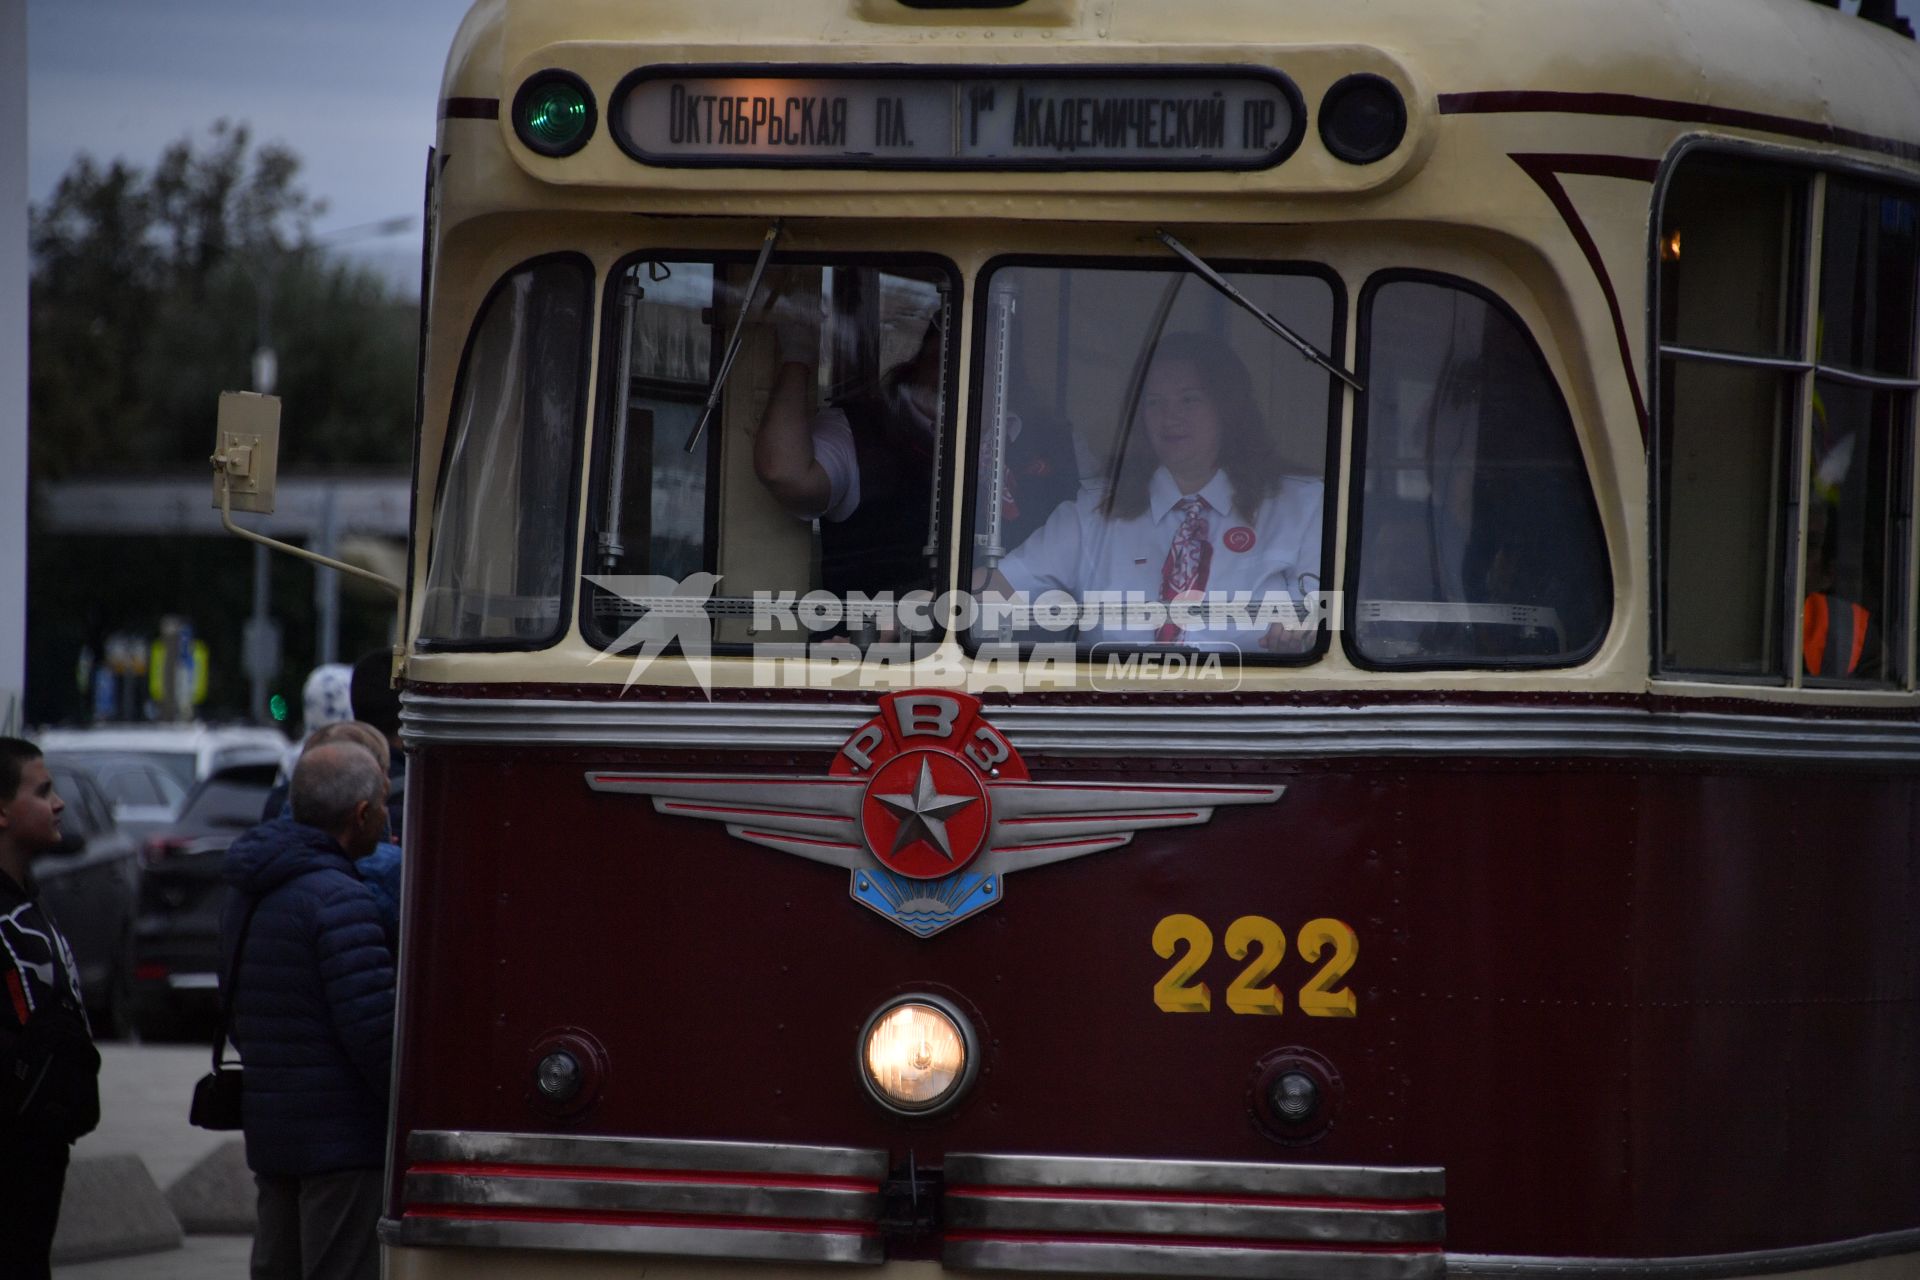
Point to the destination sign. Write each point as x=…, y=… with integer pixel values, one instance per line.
x=1240, y=120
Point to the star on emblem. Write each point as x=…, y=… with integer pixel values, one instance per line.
x=923, y=814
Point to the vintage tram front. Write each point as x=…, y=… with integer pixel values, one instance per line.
x=879, y=799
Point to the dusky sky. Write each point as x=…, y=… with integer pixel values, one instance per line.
x=350, y=85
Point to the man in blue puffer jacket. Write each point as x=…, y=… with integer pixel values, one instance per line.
x=313, y=1019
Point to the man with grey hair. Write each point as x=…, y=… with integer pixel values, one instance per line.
x=307, y=960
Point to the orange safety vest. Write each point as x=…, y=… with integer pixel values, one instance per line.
x=1828, y=648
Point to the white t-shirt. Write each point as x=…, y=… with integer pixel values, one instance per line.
x=1080, y=550
x=833, y=450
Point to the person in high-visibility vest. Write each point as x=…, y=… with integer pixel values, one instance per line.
x=1834, y=631
x=1833, y=635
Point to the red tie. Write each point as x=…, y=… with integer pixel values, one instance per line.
x=1187, y=560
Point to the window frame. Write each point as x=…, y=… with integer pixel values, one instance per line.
x=1336, y=406
x=1355, y=498
x=1806, y=368
x=606, y=359
x=569, y=551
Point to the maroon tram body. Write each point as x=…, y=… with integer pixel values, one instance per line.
x=1644, y=1006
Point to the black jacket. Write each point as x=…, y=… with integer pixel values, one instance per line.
x=49, y=1069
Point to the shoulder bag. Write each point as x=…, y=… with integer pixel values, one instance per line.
x=216, y=1097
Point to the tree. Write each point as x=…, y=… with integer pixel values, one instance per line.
x=150, y=292
x=150, y=289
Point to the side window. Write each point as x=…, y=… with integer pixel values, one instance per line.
x=496, y=571
x=131, y=784
x=83, y=813
x=171, y=792
x=1477, y=541
x=1784, y=432
x=1859, y=505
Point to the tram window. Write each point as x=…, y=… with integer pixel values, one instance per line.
x=1728, y=243
x=1110, y=396
x=1752, y=380
x=1478, y=542
x=1858, y=492
x=496, y=570
x=838, y=374
x=1867, y=280
x=1727, y=519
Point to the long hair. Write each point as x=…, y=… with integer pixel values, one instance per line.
x=1247, y=454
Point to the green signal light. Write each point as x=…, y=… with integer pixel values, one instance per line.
x=555, y=116
x=277, y=707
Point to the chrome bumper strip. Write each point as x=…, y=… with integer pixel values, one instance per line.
x=1192, y=1218
x=681, y=1242
x=646, y=1153
x=1292, y=1181
x=1128, y=1259
x=521, y=1191
x=722, y=1200
x=1262, y=732
x=1300, y=1224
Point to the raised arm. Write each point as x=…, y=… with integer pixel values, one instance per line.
x=783, y=455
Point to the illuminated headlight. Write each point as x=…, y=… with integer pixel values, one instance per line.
x=918, y=1055
x=558, y=1076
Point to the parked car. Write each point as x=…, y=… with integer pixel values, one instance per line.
x=189, y=751
x=90, y=886
x=176, y=972
x=143, y=794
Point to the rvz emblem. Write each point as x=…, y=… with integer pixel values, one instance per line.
x=930, y=808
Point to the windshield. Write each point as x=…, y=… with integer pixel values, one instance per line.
x=182, y=766
x=1152, y=455
x=820, y=468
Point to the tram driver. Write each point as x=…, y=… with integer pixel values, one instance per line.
x=862, y=467
x=1203, y=512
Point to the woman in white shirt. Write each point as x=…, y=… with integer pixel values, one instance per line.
x=1202, y=514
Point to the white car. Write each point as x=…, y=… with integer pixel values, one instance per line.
x=191, y=751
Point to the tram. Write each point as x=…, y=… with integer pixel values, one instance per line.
x=1205, y=639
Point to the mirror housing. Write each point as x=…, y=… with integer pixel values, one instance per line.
x=246, y=450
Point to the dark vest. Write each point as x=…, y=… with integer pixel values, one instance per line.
x=880, y=546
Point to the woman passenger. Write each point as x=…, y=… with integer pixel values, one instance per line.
x=1203, y=512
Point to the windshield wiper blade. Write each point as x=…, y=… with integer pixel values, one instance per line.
x=739, y=328
x=1254, y=309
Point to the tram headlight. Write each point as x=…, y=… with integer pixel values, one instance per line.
x=918, y=1055
x=554, y=113
x=558, y=1076
x=1295, y=1097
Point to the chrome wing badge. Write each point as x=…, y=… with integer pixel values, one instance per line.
x=931, y=809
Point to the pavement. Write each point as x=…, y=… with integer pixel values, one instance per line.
x=117, y=1200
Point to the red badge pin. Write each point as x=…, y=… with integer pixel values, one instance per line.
x=1238, y=539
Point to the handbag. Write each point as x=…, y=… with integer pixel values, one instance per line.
x=216, y=1095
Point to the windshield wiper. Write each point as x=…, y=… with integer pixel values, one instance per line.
x=739, y=328
x=1254, y=309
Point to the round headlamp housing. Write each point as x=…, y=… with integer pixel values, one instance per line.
x=554, y=112
x=1363, y=118
x=918, y=1055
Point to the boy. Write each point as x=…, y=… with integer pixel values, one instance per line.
x=49, y=1069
